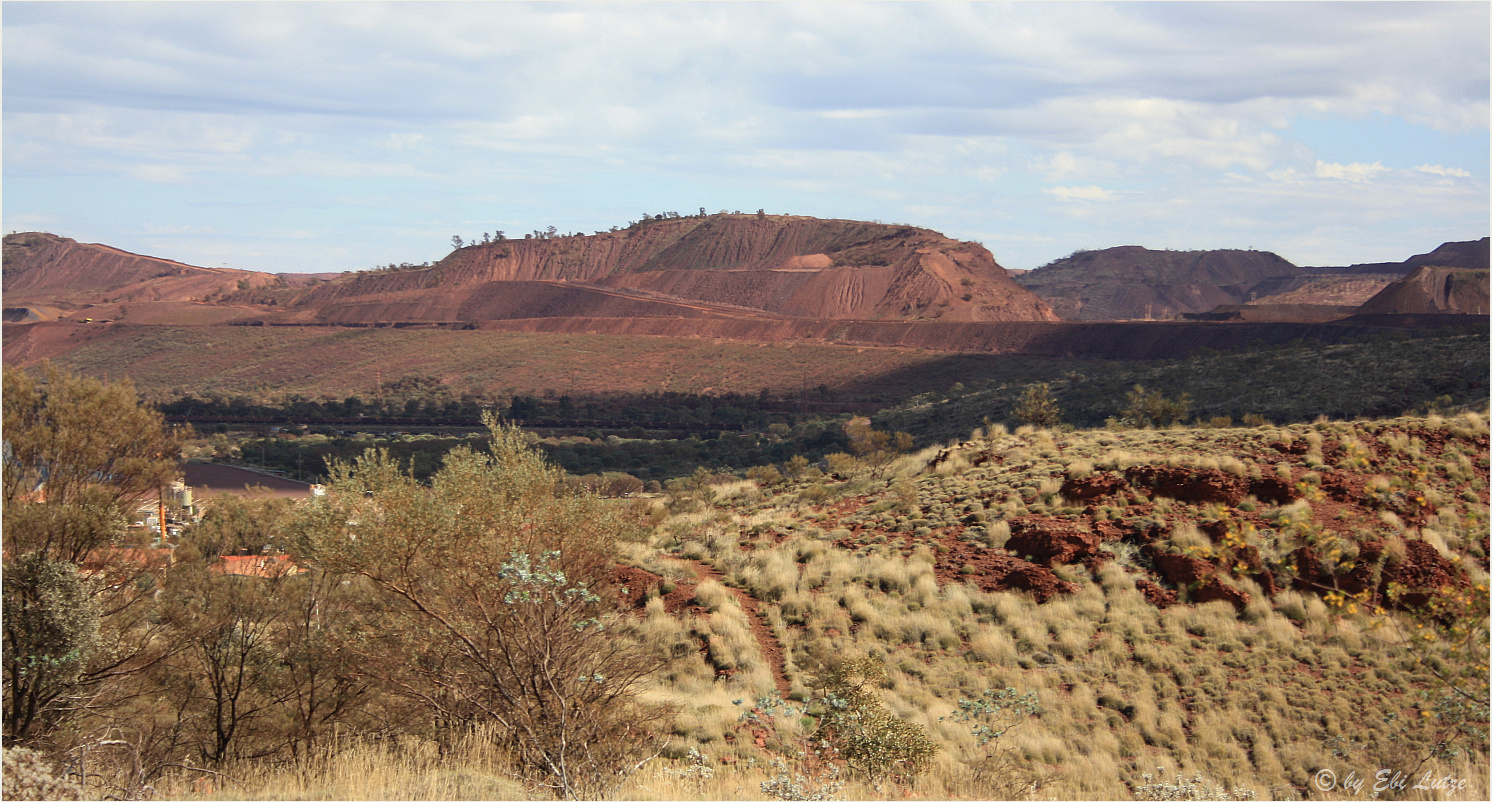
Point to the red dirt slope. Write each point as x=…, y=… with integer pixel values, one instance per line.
x=1432, y=290
x=45, y=268
x=796, y=266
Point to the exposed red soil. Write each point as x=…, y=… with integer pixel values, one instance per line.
x=1433, y=290
x=45, y=267
x=635, y=585
x=767, y=642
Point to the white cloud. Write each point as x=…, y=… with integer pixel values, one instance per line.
x=160, y=173
x=1356, y=172
x=585, y=115
x=1448, y=172
x=1088, y=193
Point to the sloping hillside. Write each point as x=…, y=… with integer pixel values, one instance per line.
x=1433, y=290
x=1469, y=254
x=43, y=267
x=1131, y=282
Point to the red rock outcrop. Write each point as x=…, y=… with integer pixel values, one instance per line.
x=1213, y=589
x=1094, y=486
x=1422, y=572
x=1199, y=577
x=1155, y=594
x=1051, y=540
x=992, y=571
x=1194, y=485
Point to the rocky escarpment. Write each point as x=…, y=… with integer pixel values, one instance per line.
x=783, y=265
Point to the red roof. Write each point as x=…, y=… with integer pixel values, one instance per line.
x=266, y=565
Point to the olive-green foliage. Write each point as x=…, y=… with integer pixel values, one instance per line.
x=1037, y=407
x=871, y=739
x=1147, y=408
x=494, y=585
x=51, y=632
x=27, y=776
x=1384, y=375
x=874, y=447
x=79, y=453
x=235, y=525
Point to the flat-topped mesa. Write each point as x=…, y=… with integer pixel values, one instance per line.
x=783, y=265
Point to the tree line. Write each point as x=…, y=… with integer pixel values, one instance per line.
x=415, y=399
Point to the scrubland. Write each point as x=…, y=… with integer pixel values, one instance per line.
x=1186, y=612
x=1314, y=654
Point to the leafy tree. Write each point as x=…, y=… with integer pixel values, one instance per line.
x=1037, y=407
x=234, y=525
x=226, y=624
x=1151, y=408
x=872, y=740
x=874, y=447
x=79, y=454
x=495, y=605
x=51, y=631
x=996, y=768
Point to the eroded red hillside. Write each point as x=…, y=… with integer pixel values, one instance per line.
x=1433, y=290
x=45, y=268
x=794, y=266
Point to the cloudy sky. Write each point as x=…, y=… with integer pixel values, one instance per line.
x=309, y=136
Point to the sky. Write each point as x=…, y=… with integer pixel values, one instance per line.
x=307, y=136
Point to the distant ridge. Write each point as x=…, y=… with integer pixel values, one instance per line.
x=1130, y=283
x=1433, y=290
x=1135, y=283
x=717, y=265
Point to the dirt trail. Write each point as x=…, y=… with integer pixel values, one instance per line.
x=766, y=640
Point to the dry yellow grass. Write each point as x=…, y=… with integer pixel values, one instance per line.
x=1256, y=699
